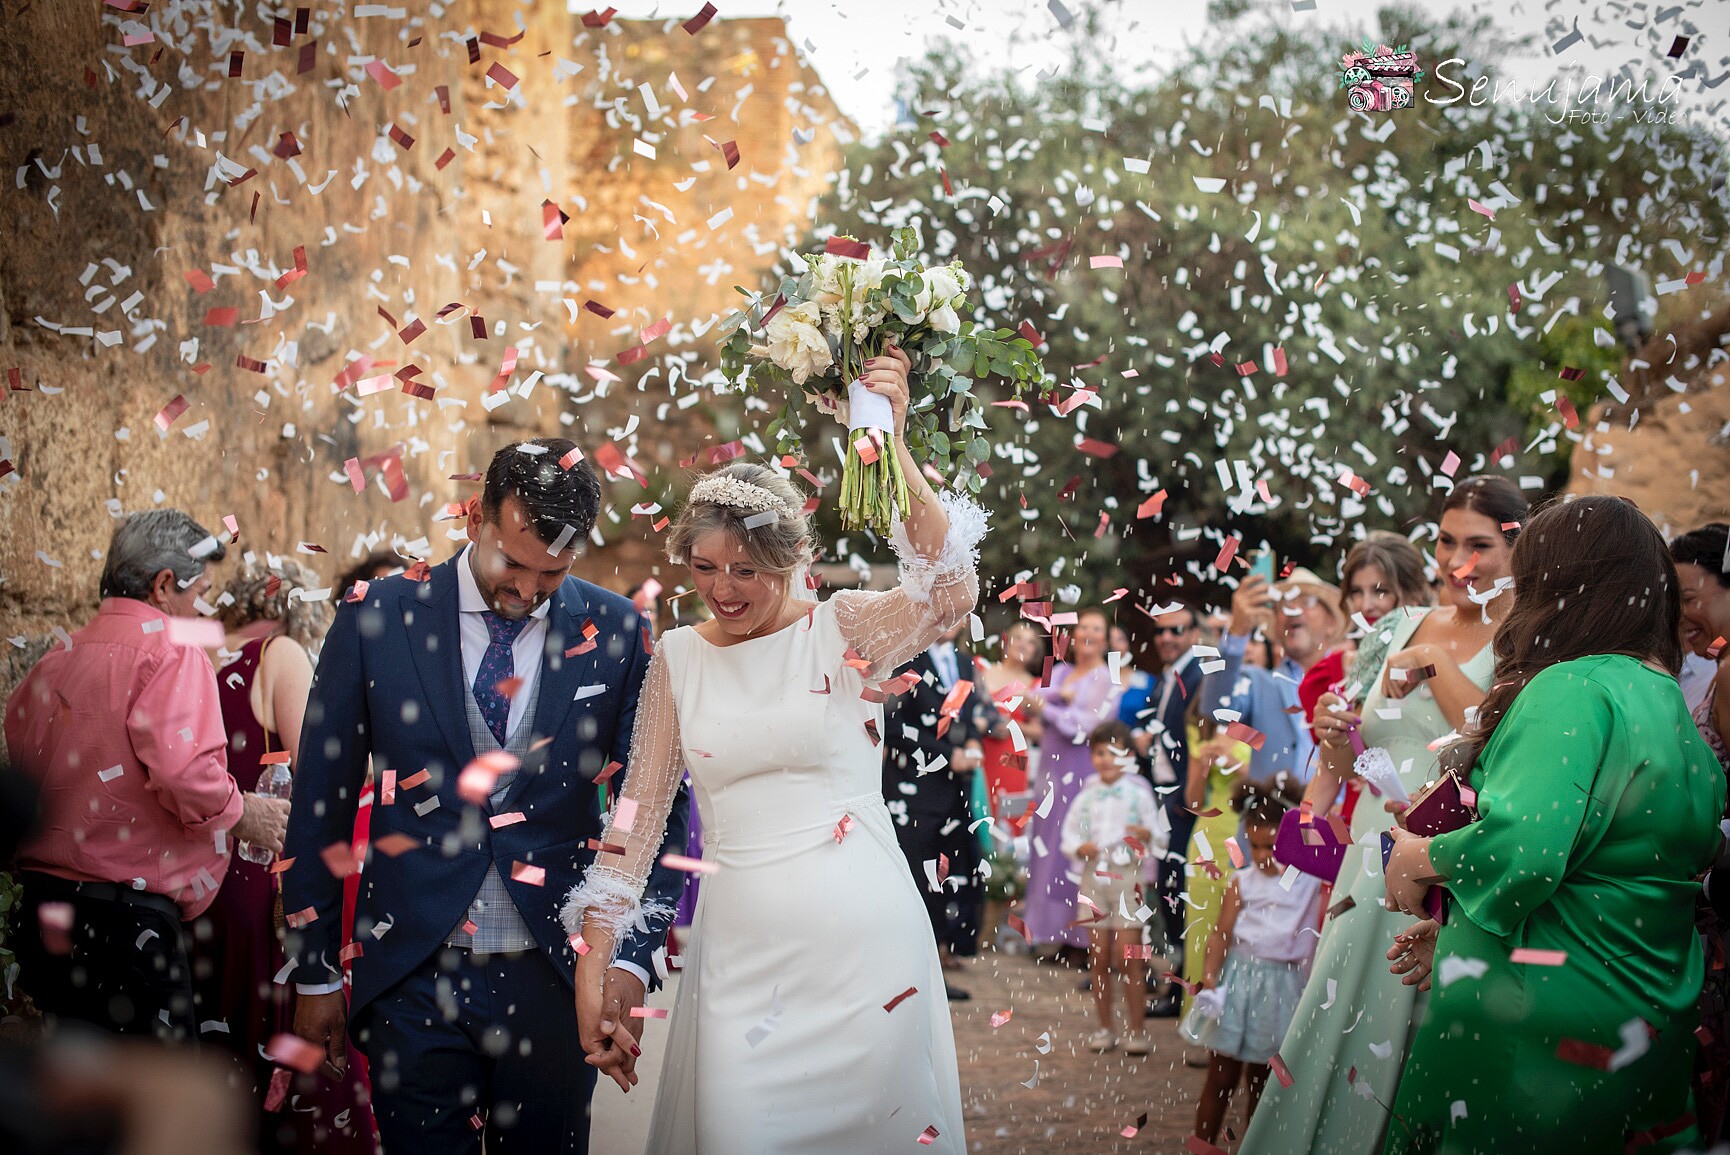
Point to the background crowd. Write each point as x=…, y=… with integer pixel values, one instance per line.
x=1214, y=813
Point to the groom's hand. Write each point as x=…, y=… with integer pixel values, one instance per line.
x=610, y=1037
x=322, y=1020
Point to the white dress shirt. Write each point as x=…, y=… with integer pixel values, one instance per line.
x=525, y=652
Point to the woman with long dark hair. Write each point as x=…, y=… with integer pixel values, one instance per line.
x=1567, y=1020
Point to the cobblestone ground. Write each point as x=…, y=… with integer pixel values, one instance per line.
x=1081, y=1101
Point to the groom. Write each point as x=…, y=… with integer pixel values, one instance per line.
x=463, y=978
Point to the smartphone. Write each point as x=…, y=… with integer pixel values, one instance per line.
x=1263, y=565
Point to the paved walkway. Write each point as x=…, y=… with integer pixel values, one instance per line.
x=1080, y=1103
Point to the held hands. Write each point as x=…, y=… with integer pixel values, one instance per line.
x=1413, y=954
x=606, y=996
x=887, y=375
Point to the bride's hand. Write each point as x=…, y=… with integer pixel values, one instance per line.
x=886, y=375
x=605, y=995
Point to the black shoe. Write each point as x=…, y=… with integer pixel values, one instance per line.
x=955, y=994
x=1166, y=1006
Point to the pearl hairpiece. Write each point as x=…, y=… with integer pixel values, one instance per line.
x=736, y=494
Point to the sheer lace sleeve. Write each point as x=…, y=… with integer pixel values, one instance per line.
x=608, y=903
x=889, y=627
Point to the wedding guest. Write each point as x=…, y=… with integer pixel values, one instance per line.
x=1598, y=807
x=1256, y=957
x=1307, y=620
x=1081, y=696
x=926, y=781
x=122, y=731
x=1011, y=679
x=1351, y=1002
x=1108, y=831
x=1381, y=573
x=272, y=632
x=1702, y=558
x=1216, y=765
x=1159, y=719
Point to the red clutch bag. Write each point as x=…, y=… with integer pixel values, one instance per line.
x=1444, y=805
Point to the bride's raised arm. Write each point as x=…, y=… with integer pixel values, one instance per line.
x=938, y=547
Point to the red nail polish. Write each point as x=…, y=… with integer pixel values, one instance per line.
x=636, y=1050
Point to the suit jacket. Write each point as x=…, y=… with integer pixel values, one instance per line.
x=390, y=686
x=938, y=793
x=1174, y=739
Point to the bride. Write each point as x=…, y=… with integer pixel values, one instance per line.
x=811, y=1013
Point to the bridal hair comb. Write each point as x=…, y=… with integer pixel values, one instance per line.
x=736, y=494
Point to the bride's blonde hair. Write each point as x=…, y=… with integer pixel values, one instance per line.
x=778, y=539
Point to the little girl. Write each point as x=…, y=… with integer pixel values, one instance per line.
x=1256, y=959
x=1110, y=828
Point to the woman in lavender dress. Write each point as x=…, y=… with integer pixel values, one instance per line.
x=1081, y=696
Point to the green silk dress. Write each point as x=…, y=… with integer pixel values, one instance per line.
x=1598, y=806
x=1353, y=1028
x=1205, y=894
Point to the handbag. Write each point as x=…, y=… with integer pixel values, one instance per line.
x=1315, y=848
x=1444, y=805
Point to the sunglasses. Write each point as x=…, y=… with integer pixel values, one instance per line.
x=1171, y=631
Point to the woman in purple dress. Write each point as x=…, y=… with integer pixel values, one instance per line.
x=264, y=672
x=1081, y=696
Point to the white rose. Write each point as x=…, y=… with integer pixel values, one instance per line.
x=945, y=284
x=825, y=274
x=944, y=320
x=797, y=344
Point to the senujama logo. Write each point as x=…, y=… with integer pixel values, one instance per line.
x=1591, y=98
x=1379, y=78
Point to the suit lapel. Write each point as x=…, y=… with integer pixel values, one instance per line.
x=435, y=643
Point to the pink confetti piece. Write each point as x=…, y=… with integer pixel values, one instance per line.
x=380, y=71
x=1530, y=956
x=625, y=815
x=169, y=412
x=1000, y=1017
x=847, y=823
x=201, y=632
x=688, y=865
x=501, y=75
x=278, y=1093
x=199, y=280
x=500, y=821
x=1105, y=262
x=1129, y=1130
x=697, y=23
x=1152, y=506
x=1227, y=550
x=648, y=1012
x=1280, y=1071
x=1450, y=464
x=1481, y=210
x=415, y=779
x=528, y=875
x=900, y=998
x=294, y=1051
x=928, y=1136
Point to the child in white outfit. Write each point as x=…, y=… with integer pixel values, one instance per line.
x=1113, y=824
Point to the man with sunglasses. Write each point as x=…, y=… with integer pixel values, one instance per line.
x=1156, y=713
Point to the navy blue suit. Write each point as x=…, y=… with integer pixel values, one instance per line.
x=390, y=685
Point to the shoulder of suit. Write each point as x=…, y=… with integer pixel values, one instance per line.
x=604, y=606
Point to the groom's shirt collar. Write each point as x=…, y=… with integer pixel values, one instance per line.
x=470, y=600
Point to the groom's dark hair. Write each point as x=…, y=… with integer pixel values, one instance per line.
x=553, y=493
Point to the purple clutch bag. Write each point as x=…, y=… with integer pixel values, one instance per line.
x=1442, y=806
x=1311, y=847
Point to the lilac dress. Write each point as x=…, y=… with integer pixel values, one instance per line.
x=1063, y=765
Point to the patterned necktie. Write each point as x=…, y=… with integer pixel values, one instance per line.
x=497, y=666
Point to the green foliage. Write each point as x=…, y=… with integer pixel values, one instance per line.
x=1345, y=241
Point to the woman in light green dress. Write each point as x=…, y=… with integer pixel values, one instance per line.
x=1349, y=1038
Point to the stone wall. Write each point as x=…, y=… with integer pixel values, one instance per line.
x=129, y=168
x=1668, y=447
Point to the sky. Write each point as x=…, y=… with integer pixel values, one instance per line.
x=856, y=44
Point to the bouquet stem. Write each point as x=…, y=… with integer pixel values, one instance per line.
x=873, y=494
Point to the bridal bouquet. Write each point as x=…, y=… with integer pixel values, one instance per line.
x=818, y=329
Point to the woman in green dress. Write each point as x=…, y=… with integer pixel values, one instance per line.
x=1568, y=969
x=1348, y=1040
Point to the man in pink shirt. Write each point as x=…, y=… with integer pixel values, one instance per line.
x=123, y=734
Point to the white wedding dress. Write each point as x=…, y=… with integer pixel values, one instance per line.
x=791, y=1032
